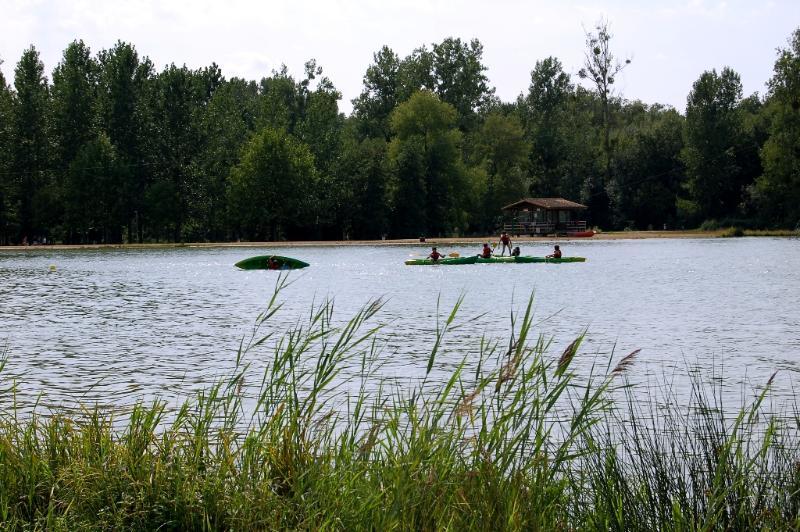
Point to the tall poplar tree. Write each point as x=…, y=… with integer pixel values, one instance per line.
x=32, y=145
x=7, y=215
x=601, y=69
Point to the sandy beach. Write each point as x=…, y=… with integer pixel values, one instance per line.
x=443, y=241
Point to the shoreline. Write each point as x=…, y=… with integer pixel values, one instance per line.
x=443, y=241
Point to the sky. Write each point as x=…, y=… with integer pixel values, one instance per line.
x=670, y=43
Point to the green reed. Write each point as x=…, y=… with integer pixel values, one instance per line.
x=509, y=440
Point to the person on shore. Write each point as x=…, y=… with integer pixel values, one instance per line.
x=435, y=255
x=515, y=253
x=556, y=253
x=486, y=253
x=505, y=240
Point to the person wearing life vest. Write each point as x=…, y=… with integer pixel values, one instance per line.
x=435, y=255
x=556, y=253
x=486, y=253
x=505, y=240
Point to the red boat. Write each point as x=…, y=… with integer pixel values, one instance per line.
x=579, y=234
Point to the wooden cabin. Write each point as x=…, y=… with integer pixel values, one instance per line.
x=544, y=216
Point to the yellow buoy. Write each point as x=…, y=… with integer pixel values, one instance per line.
x=52, y=267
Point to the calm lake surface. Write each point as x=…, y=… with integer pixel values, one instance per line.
x=115, y=326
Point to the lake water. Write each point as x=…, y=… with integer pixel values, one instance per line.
x=115, y=326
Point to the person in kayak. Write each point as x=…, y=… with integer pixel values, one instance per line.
x=515, y=253
x=435, y=255
x=505, y=240
x=486, y=253
x=556, y=253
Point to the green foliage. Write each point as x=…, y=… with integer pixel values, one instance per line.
x=550, y=125
x=426, y=151
x=714, y=134
x=363, y=188
x=508, y=439
x=268, y=188
x=92, y=198
x=379, y=96
x=648, y=170
x=503, y=154
x=777, y=191
x=75, y=106
x=31, y=161
x=224, y=127
x=442, y=166
x=601, y=68
x=7, y=182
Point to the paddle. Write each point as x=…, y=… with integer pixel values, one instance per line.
x=454, y=254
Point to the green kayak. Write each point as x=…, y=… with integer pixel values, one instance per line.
x=448, y=261
x=495, y=260
x=271, y=262
x=524, y=259
x=545, y=259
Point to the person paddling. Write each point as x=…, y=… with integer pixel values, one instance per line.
x=435, y=255
x=486, y=253
x=556, y=253
x=505, y=240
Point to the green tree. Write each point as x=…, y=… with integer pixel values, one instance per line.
x=430, y=178
x=777, y=191
x=268, y=194
x=7, y=181
x=126, y=112
x=713, y=126
x=460, y=79
x=601, y=69
x=74, y=96
x=379, y=96
x=545, y=114
x=279, y=101
x=92, y=193
x=31, y=159
x=503, y=153
x=649, y=171
x=226, y=124
x=180, y=97
x=362, y=187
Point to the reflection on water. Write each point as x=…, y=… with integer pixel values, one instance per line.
x=114, y=326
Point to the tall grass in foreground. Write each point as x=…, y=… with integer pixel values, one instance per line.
x=517, y=442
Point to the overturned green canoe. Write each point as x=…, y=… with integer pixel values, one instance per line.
x=271, y=262
x=448, y=261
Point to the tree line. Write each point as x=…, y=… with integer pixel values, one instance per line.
x=110, y=150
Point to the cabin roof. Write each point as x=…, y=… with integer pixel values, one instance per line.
x=548, y=204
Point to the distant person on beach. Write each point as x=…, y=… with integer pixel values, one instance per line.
x=435, y=255
x=486, y=253
x=505, y=240
x=556, y=253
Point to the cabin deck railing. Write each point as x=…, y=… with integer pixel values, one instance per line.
x=544, y=228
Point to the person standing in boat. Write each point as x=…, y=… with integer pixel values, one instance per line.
x=435, y=255
x=486, y=253
x=505, y=241
x=556, y=253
